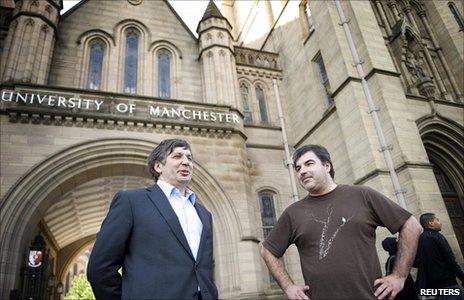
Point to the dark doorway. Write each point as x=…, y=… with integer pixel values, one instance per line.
x=452, y=203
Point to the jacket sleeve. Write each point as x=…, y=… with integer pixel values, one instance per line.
x=450, y=259
x=107, y=255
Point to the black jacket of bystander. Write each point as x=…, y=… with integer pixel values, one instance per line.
x=437, y=264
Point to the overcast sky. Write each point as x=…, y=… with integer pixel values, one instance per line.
x=190, y=11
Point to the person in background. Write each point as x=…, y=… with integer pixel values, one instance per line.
x=408, y=292
x=438, y=268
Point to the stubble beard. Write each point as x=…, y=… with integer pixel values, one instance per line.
x=319, y=187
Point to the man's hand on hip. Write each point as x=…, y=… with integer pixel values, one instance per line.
x=297, y=292
x=389, y=286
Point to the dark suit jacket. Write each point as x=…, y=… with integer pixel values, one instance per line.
x=142, y=234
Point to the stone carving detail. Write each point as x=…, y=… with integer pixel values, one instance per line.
x=417, y=53
x=417, y=75
x=415, y=67
x=427, y=89
x=410, y=53
x=263, y=73
x=419, y=81
x=122, y=125
x=256, y=58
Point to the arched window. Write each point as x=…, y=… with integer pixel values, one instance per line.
x=324, y=79
x=268, y=217
x=130, y=66
x=164, y=73
x=268, y=213
x=457, y=16
x=245, y=92
x=261, y=103
x=94, y=77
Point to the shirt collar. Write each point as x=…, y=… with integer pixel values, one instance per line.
x=170, y=190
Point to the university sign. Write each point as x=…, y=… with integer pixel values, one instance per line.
x=118, y=107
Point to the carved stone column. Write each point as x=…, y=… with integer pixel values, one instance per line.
x=386, y=25
x=392, y=5
x=441, y=57
x=435, y=72
x=407, y=11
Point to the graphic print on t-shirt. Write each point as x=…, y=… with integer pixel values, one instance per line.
x=325, y=243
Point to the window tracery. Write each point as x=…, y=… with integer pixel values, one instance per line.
x=164, y=74
x=94, y=77
x=245, y=94
x=131, y=62
x=260, y=96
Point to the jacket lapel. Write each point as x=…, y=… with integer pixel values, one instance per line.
x=206, y=227
x=160, y=201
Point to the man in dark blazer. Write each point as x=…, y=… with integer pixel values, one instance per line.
x=160, y=236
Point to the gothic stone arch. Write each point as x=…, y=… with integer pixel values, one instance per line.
x=26, y=202
x=444, y=145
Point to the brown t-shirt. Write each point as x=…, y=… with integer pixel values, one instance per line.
x=335, y=237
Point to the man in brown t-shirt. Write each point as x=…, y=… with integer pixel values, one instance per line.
x=333, y=229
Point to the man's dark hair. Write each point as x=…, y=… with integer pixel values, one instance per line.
x=425, y=219
x=390, y=245
x=319, y=151
x=161, y=152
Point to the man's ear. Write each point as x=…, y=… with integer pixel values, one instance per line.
x=328, y=167
x=158, y=166
x=429, y=224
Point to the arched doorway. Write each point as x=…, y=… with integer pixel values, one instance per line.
x=26, y=203
x=444, y=144
x=452, y=203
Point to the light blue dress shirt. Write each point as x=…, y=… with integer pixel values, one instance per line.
x=186, y=213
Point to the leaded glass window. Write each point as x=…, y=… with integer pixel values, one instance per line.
x=245, y=92
x=456, y=15
x=324, y=79
x=268, y=214
x=131, y=60
x=164, y=73
x=261, y=103
x=94, y=77
x=268, y=218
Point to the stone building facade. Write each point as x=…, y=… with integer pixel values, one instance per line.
x=86, y=95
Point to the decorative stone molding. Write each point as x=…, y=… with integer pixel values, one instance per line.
x=427, y=88
x=122, y=124
x=256, y=58
x=263, y=73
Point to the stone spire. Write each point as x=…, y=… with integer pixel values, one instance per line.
x=217, y=58
x=29, y=45
x=212, y=12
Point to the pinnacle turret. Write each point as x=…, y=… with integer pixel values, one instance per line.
x=212, y=12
